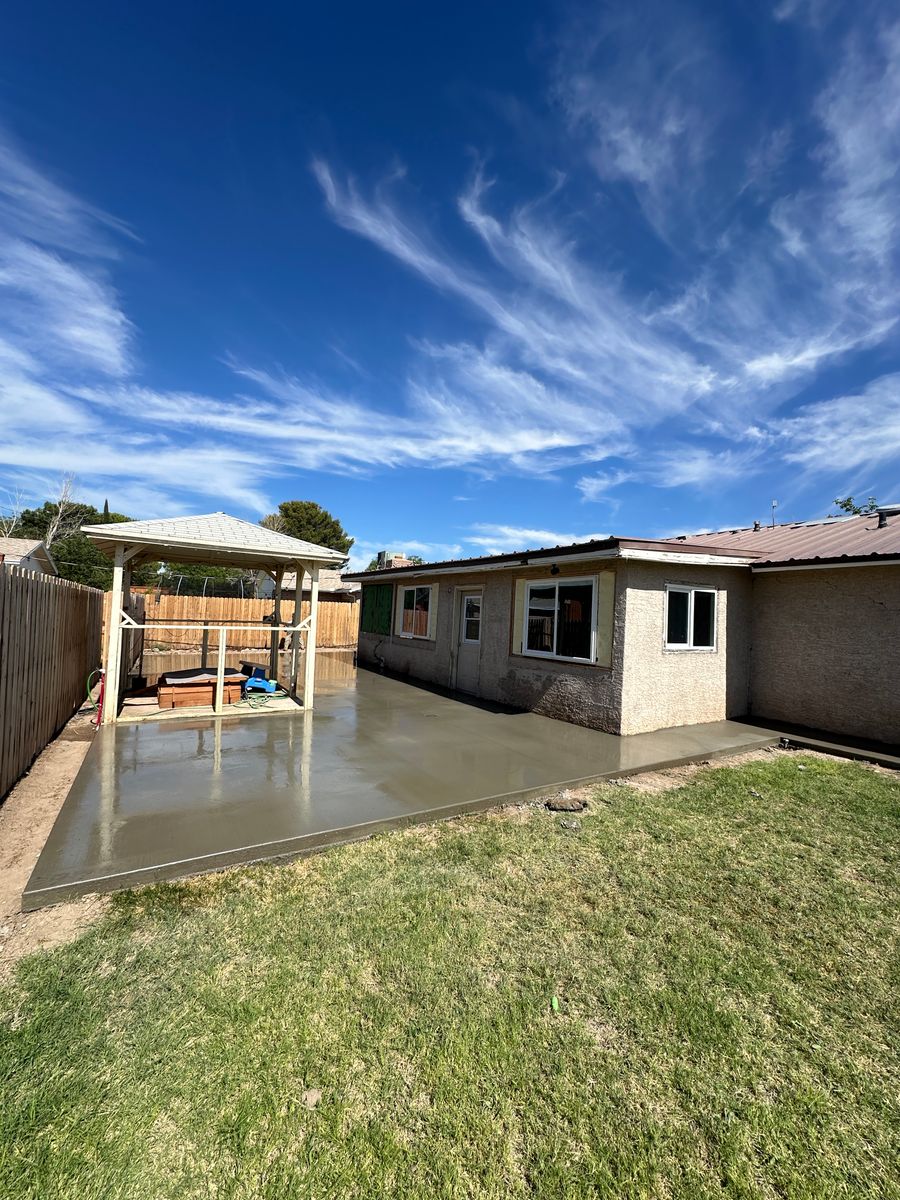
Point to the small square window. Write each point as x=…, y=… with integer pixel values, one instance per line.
x=415, y=612
x=690, y=618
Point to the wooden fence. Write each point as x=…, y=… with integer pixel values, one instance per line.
x=49, y=642
x=337, y=624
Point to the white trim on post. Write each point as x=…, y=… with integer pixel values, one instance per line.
x=295, y=636
x=309, y=667
x=276, y=621
x=113, y=642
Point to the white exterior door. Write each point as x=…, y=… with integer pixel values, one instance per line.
x=468, y=642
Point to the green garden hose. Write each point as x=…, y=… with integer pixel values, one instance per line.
x=88, y=686
x=254, y=699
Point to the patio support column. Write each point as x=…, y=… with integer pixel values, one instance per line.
x=126, y=640
x=309, y=667
x=295, y=636
x=113, y=641
x=276, y=621
x=220, y=670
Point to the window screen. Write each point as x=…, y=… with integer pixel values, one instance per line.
x=541, y=619
x=704, y=618
x=574, y=608
x=677, y=625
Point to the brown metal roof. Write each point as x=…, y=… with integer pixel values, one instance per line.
x=842, y=539
x=828, y=540
x=548, y=552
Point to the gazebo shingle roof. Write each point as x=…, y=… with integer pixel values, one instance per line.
x=214, y=538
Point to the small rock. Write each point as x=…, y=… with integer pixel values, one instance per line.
x=572, y=825
x=311, y=1097
x=565, y=801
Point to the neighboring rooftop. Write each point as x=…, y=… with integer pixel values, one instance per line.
x=16, y=548
x=14, y=551
x=214, y=538
x=331, y=581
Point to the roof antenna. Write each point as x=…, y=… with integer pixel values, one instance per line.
x=774, y=506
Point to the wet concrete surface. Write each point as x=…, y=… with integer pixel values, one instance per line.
x=161, y=801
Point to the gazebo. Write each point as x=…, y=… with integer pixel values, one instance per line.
x=215, y=539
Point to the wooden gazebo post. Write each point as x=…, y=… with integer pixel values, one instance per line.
x=276, y=621
x=309, y=666
x=113, y=641
x=300, y=570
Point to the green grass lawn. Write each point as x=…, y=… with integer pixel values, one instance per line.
x=377, y=1021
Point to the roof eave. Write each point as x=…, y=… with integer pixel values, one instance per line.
x=624, y=548
x=106, y=541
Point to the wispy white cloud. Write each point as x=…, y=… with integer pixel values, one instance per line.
x=500, y=539
x=642, y=87
x=851, y=433
x=34, y=207
x=568, y=363
x=597, y=487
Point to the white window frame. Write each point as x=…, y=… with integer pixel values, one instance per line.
x=402, y=589
x=467, y=641
x=557, y=582
x=690, y=589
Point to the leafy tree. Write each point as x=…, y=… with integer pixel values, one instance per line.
x=309, y=521
x=76, y=557
x=413, y=559
x=847, y=505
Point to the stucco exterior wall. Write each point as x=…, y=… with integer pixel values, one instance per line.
x=826, y=650
x=663, y=688
x=582, y=693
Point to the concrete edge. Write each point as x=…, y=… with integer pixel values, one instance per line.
x=245, y=856
x=890, y=762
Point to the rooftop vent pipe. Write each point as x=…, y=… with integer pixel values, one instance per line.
x=884, y=511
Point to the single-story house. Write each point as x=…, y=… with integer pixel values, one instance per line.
x=28, y=553
x=332, y=585
x=798, y=623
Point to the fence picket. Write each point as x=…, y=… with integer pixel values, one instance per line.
x=49, y=641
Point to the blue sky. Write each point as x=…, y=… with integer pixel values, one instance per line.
x=473, y=277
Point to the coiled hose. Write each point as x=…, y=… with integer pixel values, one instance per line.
x=255, y=699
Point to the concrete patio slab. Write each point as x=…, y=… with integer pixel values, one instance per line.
x=157, y=801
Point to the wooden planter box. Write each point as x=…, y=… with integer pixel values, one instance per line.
x=190, y=695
